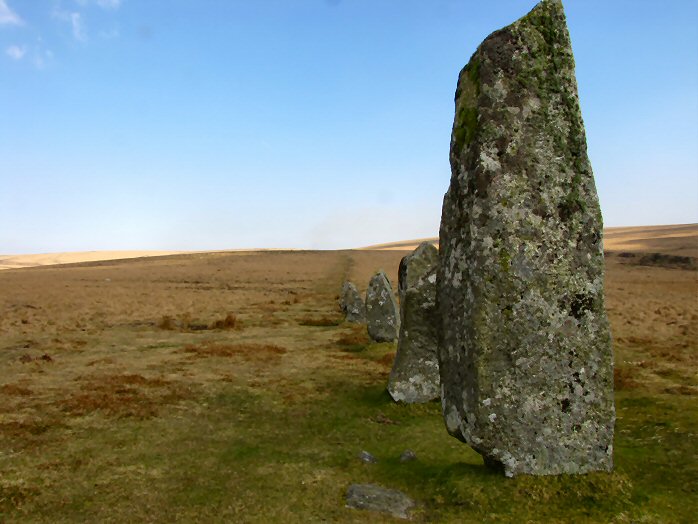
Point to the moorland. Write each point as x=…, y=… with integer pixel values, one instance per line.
x=227, y=387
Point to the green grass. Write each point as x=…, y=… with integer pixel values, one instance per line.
x=245, y=454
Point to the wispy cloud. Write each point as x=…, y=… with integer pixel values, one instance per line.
x=109, y=4
x=16, y=52
x=76, y=21
x=8, y=16
x=110, y=34
x=42, y=58
x=79, y=32
x=104, y=4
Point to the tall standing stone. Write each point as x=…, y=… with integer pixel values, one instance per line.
x=351, y=304
x=382, y=318
x=525, y=352
x=415, y=374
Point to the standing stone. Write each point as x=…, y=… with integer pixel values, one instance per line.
x=381, y=309
x=415, y=373
x=352, y=305
x=525, y=351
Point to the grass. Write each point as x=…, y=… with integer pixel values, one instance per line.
x=324, y=321
x=248, y=351
x=129, y=422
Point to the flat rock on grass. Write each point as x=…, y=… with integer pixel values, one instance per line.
x=376, y=498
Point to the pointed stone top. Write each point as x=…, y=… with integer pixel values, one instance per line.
x=531, y=58
x=415, y=265
x=425, y=247
x=547, y=14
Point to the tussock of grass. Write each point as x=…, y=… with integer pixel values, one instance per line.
x=169, y=323
x=229, y=322
x=248, y=351
x=185, y=323
x=26, y=359
x=353, y=341
x=127, y=395
x=15, y=390
x=624, y=378
x=357, y=337
x=387, y=359
x=13, y=494
x=24, y=428
x=324, y=321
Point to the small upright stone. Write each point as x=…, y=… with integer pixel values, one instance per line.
x=351, y=304
x=415, y=374
x=525, y=349
x=381, y=309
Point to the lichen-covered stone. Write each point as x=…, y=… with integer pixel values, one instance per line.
x=415, y=374
x=351, y=304
x=382, y=318
x=525, y=349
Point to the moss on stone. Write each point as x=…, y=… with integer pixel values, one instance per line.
x=467, y=92
x=517, y=222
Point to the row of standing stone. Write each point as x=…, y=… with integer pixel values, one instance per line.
x=525, y=358
x=415, y=373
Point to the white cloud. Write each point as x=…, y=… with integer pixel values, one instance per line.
x=8, y=16
x=16, y=52
x=42, y=58
x=76, y=22
x=78, y=26
x=109, y=4
x=111, y=34
x=104, y=4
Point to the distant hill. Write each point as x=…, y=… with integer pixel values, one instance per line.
x=50, y=259
x=679, y=240
x=675, y=240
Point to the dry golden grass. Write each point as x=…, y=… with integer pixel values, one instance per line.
x=122, y=395
x=323, y=321
x=257, y=352
x=357, y=336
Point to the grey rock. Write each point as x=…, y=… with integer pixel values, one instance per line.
x=525, y=349
x=408, y=456
x=415, y=373
x=367, y=457
x=351, y=304
x=376, y=498
x=382, y=317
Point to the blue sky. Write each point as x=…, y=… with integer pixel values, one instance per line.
x=180, y=124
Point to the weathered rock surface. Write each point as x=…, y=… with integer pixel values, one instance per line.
x=351, y=304
x=408, y=456
x=376, y=498
x=415, y=373
x=382, y=317
x=367, y=458
x=525, y=350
